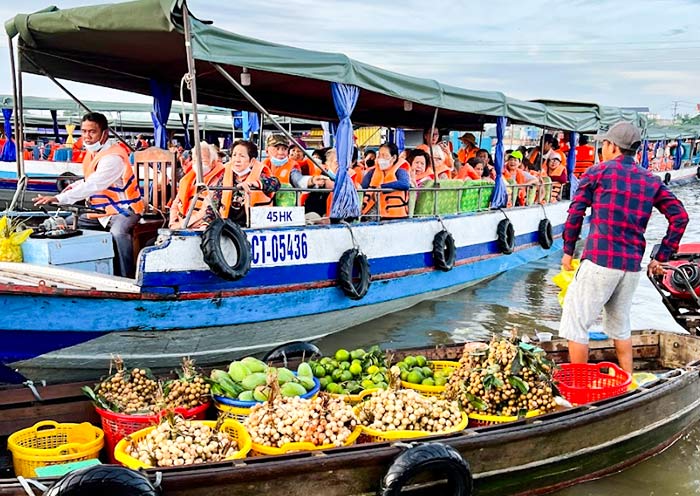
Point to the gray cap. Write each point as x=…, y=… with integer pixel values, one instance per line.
x=624, y=134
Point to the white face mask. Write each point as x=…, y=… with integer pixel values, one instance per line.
x=243, y=172
x=384, y=163
x=95, y=147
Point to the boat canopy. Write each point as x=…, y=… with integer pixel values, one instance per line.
x=657, y=133
x=125, y=45
x=591, y=117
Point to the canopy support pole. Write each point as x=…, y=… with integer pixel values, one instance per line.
x=44, y=72
x=18, y=108
x=260, y=133
x=261, y=109
x=436, y=182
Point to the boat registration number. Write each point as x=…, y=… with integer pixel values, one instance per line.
x=268, y=248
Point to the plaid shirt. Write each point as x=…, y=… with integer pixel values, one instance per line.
x=621, y=196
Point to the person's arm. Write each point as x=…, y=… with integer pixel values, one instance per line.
x=109, y=170
x=674, y=211
x=269, y=184
x=297, y=179
x=577, y=211
x=403, y=181
x=367, y=179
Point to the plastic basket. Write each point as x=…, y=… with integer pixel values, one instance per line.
x=225, y=409
x=240, y=404
x=432, y=390
x=375, y=436
x=50, y=443
x=232, y=427
x=354, y=399
x=261, y=449
x=480, y=420
x=118, y=425
x=582, y=383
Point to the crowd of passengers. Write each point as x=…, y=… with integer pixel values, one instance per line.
x=388, y=174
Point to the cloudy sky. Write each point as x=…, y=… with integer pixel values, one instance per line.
x=613, y=52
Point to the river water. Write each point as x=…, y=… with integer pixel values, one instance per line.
x=527, y=299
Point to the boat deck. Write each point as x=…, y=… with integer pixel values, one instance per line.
x=26, y=275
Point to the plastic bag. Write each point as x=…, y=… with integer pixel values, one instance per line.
x=564, y=278
x=10, y=241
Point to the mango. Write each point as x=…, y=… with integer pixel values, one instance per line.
x=238, y=371
x=285, y=375
x=304, y=370
x=246, y=396
x=254, y=380
x=254, y=365
x=261, y=393
x=307, y=382
x=292, y=389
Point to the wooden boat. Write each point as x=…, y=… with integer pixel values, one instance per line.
x=530, y=456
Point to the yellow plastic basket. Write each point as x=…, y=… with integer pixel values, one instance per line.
x=261, y=449
x=375, y=436
x=231, y=411
x=50, y=443
x=232, y=427
x=482, y=420
x=432, y=390
x=354, y=399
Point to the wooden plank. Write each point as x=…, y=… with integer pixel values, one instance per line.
x=100, y=282
x=74, y=411
x=21, y=394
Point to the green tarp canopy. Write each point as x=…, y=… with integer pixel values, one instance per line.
x=591, y=117
x=659, y=133
x=124, y=45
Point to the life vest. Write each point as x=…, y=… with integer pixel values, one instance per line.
x=467, y=172
x=585, y=157
x=519, y=178
x=423, y=178
x=256, y=197
x=115, y=199
x=437, y=153
x=392, y=204
x=463, y=156
x=186, y=190
x=283, y=171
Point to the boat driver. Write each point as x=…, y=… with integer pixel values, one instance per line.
x=109, y=184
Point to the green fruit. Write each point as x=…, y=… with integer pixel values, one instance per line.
x=345, y=375
x=246, y=396
x=439, y=373
x=285, y=375
x=342, y=355
x=421, y=361
x=261, y=393
x=367, y=384
x=357, y=354
x=353, y=387
x=254, y=380
x=401, y=365
x=404, y=375
x=324, y=382
x=337, y=374
x=307, y=382
x=410, y=361
x=254, y=365
x=304, y=369
x=325, y=360
x=344, y=366
x=238, y=371
x=292, y=389
x=372, y=369
x=342, y=390
x=440, y=381
x=333, y=388
x=415, y=377
x=355, y=368
x=378, y=377
x=428, y=381
x=383, y=385
x=319, y=371
x=427, y=372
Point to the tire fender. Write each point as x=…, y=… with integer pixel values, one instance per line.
x=294, y=349
x=353, y=261
x=105, y=480
x=667, y=178
x=697, y=173
x=444, y=251
x=505, y=234
x=212, y=250
x=545, y=234
x=428, y=457
x=65, y=180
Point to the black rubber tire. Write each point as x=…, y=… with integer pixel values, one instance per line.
x=66, y=179
x=351, y=260
x=214, y=256
x=505, y=234
x=444, y=251
x=294, y=349
x=545, y=234
x=428, y=457
x=667, y=178
x=697, y=173
x=105, y=480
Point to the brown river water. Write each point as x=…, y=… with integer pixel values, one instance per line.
x=526, y=298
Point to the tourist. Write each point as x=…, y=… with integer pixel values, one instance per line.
x=421, y=168
x=557, y=173
x=441, y=154
x=388, y=173
x=469, y=150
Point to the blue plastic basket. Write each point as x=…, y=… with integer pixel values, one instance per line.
x=249, y=404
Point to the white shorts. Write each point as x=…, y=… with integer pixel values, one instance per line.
x=595, y=289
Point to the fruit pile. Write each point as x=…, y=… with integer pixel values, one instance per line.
x=351, y=372
x=418, y=370
x=175, y=442
x=246, y=380
x=126, y=391
x=507, y=378
x=408, y=410
x=323, y=420
x=189, y=390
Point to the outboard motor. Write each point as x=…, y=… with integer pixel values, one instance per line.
x=679, y=286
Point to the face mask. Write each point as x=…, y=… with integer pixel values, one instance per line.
x=243, y=172
x=94, y=148
x=369, y=162
x=384, y=163
x=278, y=162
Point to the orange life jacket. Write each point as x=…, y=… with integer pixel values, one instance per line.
x=424, y=177
x=186, y=190
x=467, y=171
x=585, y=157
x=256, y=197
x=463, y=156
x=519, y=178
x=392, y=204
x=115, y=199
x=283, y=171
x=448, y=161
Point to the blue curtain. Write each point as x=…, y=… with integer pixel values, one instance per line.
x=645, y=154
x=162, y=101
x=345, y=203
x=251, y=124
x=656, y=148
x=54, y=118
x=228, y=141
x=678, y=158
x=571, y=164
x=9, y=150
x=400, y=139
x=500, y=195
x=185, y=119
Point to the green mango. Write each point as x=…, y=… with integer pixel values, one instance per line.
x=238, y=371
x=254, y=365
x=305, y=370
x=246, y=396
x=285, y=375
x=292, y=389
x=307, y=382
x=254, y=380
x=261, y=393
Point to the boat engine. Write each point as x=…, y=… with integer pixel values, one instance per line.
x=679, y=286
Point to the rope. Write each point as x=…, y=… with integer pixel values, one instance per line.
x=352, y=235
x=27, y=483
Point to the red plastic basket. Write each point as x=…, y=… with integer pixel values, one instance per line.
x=117, y=426
x=582, y=383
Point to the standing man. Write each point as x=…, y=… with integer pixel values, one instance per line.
x=109, y=184
x=621, y=196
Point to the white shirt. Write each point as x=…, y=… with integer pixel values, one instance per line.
x=109, y=171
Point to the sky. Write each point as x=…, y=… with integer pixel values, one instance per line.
x=622, y=53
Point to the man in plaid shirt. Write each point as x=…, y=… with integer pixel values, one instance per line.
x=621, y=196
